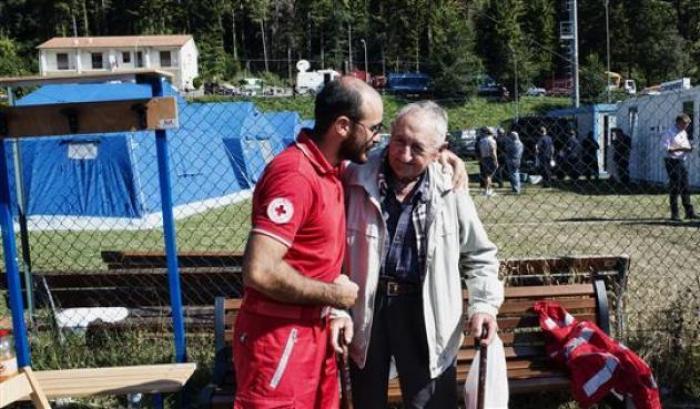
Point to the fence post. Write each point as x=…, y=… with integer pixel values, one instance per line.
x=14, y=287
x=157, y=85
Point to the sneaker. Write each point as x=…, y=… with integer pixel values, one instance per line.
x=691, y=216
x=675, y=218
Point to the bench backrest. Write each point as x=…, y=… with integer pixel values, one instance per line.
x=528, y=365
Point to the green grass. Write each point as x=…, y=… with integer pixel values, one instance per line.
x=473, y=113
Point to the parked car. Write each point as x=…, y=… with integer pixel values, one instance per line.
x=463, y=143
x=536, y=92
x=409, y=84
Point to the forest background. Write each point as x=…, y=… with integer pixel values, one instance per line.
x=454, y=41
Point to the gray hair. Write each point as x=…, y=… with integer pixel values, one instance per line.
x=437, y=116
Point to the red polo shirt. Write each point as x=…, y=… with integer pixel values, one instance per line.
x=299, y=202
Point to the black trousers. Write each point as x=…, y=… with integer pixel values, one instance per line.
x=398, y=330
x=678, y=185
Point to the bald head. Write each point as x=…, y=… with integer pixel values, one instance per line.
x=345, y=96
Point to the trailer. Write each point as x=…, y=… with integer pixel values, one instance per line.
x=311, y=82
x=646, y=117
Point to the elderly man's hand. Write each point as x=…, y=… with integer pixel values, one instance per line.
x=340, y=325
x=460, y=178
x=478, y=321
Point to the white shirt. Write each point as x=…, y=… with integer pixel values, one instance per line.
x=674, y=138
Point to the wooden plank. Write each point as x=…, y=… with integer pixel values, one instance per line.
x=38, y=397
x=543, y=266
x=115, y=380
x=570, y=304
x=90, y=117
x=14, y=389
x=543, y=291
x=533, y=321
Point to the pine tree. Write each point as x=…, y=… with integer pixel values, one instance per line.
x=453, y=61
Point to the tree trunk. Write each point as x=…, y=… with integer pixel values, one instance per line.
x=262, y=31
x=86, y=30
x=233, y=31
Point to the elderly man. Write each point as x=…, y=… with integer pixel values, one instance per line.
x=407, y=226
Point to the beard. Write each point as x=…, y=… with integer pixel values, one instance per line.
x=355, y=148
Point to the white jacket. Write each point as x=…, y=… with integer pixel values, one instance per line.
x=453, y=228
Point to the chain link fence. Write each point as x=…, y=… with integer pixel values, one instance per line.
x=94, y=240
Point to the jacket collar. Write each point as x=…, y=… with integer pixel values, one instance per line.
x=309, y=148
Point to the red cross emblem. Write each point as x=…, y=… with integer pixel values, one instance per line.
x=280, y=210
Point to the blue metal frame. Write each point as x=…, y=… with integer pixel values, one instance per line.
x=169, y=233
x=14, y=286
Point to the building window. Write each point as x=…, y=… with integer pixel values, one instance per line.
x=139, y=59
x=126, y=57
x=165, y=60
x=62, y=61
x=97, y=61
x=82, y=151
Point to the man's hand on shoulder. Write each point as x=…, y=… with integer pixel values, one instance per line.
x=460, y=178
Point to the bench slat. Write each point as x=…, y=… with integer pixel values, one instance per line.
x=115, y=380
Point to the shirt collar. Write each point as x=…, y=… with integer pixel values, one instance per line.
x=421, y=193
x=309, y=148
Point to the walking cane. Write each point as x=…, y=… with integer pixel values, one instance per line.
x=483, y=355
x=344, y=369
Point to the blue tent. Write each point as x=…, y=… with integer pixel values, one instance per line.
x=219, y=150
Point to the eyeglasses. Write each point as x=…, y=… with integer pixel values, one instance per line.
x=374, y=129
x=417, y=149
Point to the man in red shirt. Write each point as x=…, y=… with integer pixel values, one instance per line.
x=282, y=351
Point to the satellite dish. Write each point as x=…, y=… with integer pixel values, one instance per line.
x=303, y=65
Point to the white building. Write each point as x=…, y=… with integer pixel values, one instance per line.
x=645, y=118
x=176, y=54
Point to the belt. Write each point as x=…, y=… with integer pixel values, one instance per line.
x=391, y=287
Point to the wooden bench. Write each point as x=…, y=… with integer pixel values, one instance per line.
x=529, y=369
x=147, y=379
x=119, y=259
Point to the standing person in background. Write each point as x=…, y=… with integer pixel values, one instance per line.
x=501, y=171
x=677, y=147
x=622, y=146
x=488, y=152
x=589, y=148
x=570, y=156
x=477, y=154
x=513, y=156
x=544, y=150
x=410, y=304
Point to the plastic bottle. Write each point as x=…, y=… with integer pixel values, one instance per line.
x=8, y=360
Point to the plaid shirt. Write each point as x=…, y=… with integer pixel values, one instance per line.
x=404, y=250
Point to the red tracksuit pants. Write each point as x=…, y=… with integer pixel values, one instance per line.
x=284, y=363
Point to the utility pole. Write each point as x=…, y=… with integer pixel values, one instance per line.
x=349, y=47
x=364, y=45
x=607, y=41
x=568, y=32
x=574, y=19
